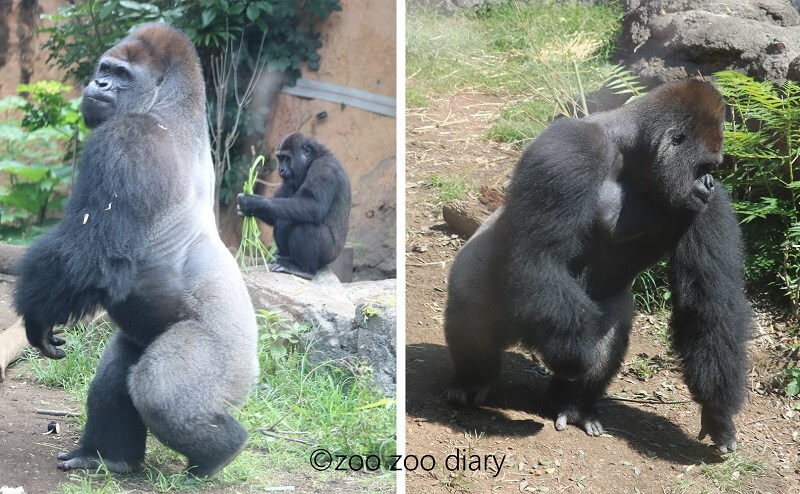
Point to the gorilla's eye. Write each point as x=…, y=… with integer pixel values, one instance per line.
x=678, y=139
x=306, y=148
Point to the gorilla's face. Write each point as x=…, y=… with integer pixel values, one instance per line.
x=684, y=153
x=684, y=164
x=294, y=156
x=118, y=86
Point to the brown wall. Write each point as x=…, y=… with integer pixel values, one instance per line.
x=21, y=57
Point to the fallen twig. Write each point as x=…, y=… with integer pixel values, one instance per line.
x=652, y=402
x=56, y=413
x=278, y=435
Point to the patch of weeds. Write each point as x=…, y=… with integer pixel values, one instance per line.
x=369, y=311
x=731, y=473
x=651, y=291
x=792, y=381
x=644, y=367
x=100, y=481
x=416, y=98
x=276, y=336
x=85, y=344
x=448, y=187
x=302, y=405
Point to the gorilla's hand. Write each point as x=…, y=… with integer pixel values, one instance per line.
x=246, y=205
x=44, y=339
x=720, y=427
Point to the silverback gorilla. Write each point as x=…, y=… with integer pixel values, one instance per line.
x=591, y=204
x=138, y=238
x=310, y=211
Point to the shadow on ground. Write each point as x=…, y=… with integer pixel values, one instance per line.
x=521, y=388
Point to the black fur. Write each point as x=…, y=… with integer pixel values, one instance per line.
x=138, y=239
x=310, y=211
x=592, y=203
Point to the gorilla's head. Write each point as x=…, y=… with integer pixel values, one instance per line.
x=295, y=154
x=154, y=70
x=682, y=125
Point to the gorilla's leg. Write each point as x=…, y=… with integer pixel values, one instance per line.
x=475, y=327
x=309, y=247
x=476, y=359
x=574, y=401
x=114, y=433
x=183, y=392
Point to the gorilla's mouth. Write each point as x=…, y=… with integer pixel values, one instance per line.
x=95, y=99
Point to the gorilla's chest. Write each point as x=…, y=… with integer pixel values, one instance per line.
x=608, y=266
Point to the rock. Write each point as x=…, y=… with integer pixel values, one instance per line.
x=665, y=40
x=351, y=322
x=466, y=215
x=373, y=230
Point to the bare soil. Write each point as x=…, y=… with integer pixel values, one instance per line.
x=649, y=447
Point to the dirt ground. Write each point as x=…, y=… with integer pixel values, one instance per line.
x=649, y=447
x=28, y=456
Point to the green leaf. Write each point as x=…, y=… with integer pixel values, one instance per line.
x=252, y=12
x=208, y=17
x=793, y=388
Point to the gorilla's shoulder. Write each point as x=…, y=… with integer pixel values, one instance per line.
x=568, y=150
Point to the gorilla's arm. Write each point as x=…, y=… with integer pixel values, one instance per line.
x=89, y=258
x=711, y=318
x=310, y=204
x=551, y=210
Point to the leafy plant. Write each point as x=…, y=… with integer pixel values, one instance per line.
x=37, y=136
x=252, y=250
x=763, y=138
x=277, y=336
x=84, y=30
x=792, y=381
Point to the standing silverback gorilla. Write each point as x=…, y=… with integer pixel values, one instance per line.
x=310, y=211
x=138, y=238
x=592, y=203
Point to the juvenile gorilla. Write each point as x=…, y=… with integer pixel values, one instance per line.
x=138, y=238
x=592, y=203
x=310, y=211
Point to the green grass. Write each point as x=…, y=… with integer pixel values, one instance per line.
x=549, y=53
x=730, y=474
x=448, y=187
x=321, y=404
x=644, y=367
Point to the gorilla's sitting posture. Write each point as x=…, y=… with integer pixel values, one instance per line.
x=310, y=211
x=138, y=238
x=592, y=203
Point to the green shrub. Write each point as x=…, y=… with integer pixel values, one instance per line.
x=763, y=138
x=39, y=137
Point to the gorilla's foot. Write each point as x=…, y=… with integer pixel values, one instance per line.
x=720, y=427
x=290, y=268
x=79, y=459
x=461, y=396
x=586, y=419
x=208, y=470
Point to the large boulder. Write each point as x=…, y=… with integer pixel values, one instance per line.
x=351, y=322
x=665, y=40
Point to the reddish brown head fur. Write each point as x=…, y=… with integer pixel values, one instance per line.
x=703, y=105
